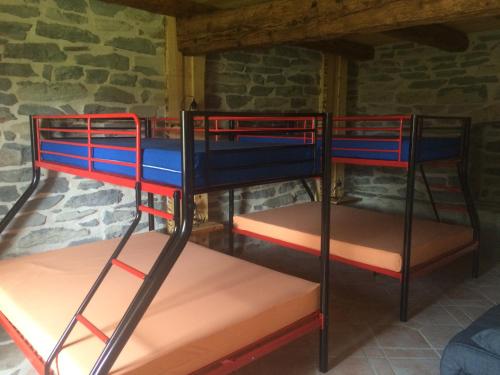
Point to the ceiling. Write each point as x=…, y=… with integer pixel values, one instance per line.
x=449, y=36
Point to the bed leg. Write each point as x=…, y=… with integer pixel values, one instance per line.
x=326, y=182
x=151, y=218
x=463, y=177
x=230, y=223
x=410, y=193
x=35, y=179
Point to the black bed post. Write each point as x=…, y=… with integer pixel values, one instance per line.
x=165, y=262
x=325, y=241
x=230, y=222
x=151, y=201
x=463, y=176
x=410, y=192
x=35, y=179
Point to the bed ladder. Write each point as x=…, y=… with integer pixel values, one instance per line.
x=151, y=282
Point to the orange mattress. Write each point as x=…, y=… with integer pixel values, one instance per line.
x=210, y=306
x=368, y=237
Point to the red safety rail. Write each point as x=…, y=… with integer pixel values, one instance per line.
x=264, y=346
x=89, y=132
x=414, y=271
x=215, y=126
x=397, y=129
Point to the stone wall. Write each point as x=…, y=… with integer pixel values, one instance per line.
x=281, y=79
x=65, y=57
x=405, y=78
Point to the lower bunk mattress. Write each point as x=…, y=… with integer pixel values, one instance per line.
x=358, y=236
x=210, y=306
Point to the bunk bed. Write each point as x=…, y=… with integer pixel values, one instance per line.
x=210, y=315
x=394, y=245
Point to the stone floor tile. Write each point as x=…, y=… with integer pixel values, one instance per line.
x=399, y=337
x=353, y=366
x=439, y=335
x=381, y=366
x=409, y=353
x=415, y=366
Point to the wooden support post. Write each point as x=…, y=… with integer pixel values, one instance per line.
x=185, y=83
x=333, y=99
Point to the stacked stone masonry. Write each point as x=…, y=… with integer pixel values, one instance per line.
x=406, y=78
x=66, y=57
x=280, y=79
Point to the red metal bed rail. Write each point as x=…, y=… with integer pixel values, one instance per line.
x=89, y=132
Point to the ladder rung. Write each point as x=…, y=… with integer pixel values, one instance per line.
x=130, y=269
x=156, y=212
x=450, y=189
x=451, y=207
x=92, y=328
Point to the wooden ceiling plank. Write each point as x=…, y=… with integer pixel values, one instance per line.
x=349, y=50
x=175, y=8
x=439, y=36
x=296, y=21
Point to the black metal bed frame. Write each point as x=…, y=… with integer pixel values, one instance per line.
x=183, y=216
x=416, y=133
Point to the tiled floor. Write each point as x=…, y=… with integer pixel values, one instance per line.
x=366, y=335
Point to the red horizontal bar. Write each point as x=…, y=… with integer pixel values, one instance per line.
x=451, y=207
x=147, y=187
x=262, y=347
x=114, y=162
x=129, y=269
x=65, y=155
x=25, y=347
x=451, y=189
x=165, y=190
x=361, y=138
x=259, y=130
x=372, y=162
x=362, y=149
x=387, y=129
x=93, y=329
x=86, y=131
x=156, y=212
x=57, y=142
x=373, y=118
x=96, y=116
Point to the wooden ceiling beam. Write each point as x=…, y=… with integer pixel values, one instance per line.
x=297, y=21
x=349, y=50
x=174, y=8
x=435, y=35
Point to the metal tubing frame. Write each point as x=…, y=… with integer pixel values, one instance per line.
x=60, y=343
x=462, y=169
x=151, y=200
x=35, y=179
x=165, y=262
x=171, y=251
x=408, y=225
x=325, y=243
x=429, y=193
x=230, y=222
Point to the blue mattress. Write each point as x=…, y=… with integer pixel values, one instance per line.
x=429, y=149
x=227, y=163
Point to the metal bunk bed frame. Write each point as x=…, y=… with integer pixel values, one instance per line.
x=183, y=216
x=416, y=131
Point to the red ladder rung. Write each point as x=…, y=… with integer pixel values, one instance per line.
x=451, y=189
x=129, y=269
x=451, y=207
x=92, y=328
x=156, y=212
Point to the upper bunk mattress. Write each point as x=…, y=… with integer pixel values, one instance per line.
x=211, y=305
x=363, y=236
x=429, y=148
x=227, y=162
